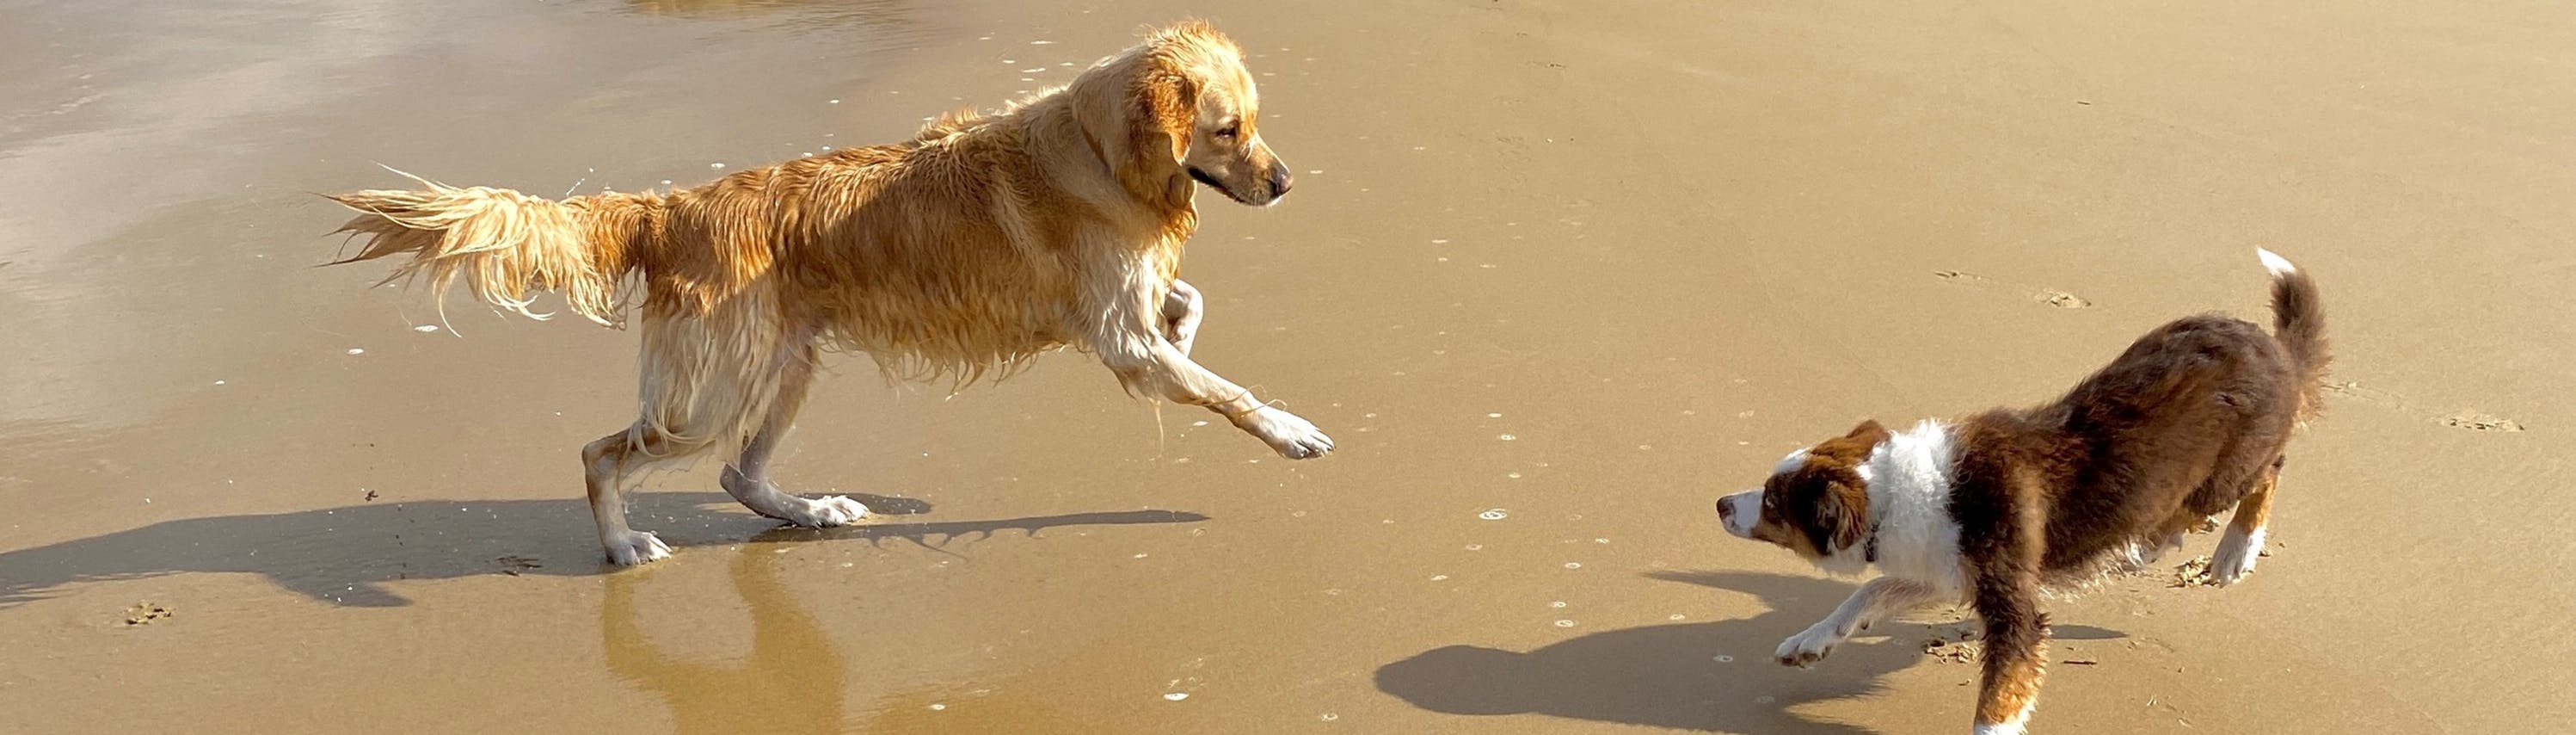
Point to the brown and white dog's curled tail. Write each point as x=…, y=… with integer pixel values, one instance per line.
x=505, y=244
x=2299, y=324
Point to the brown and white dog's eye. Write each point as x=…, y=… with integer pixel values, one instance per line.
x=1230, y=130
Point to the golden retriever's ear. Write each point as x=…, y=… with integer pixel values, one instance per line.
x=1140, y=109
x=1162, y=117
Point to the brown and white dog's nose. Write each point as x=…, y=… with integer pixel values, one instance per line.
x=1740, y=512
x=1279, y=181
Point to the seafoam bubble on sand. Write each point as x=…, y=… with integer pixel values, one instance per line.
x=1177, y=696
x=1494, y=514
x=425, y=328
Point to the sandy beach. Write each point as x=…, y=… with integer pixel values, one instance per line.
x=1556, y=275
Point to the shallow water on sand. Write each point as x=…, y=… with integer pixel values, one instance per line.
x=1556, y=276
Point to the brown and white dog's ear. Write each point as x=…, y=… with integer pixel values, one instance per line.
x=1854, y=447
x=1841, y=518
x=1868, y=431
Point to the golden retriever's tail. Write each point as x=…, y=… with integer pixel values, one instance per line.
x=505, y=244
x=2299, y=323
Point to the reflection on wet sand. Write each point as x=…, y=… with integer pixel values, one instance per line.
x=347, y=555
x=790, y=681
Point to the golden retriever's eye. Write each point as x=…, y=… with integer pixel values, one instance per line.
x=1230, y=130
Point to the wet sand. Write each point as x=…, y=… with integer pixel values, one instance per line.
x=1591, y=264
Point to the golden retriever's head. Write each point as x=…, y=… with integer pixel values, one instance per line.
x=1176, y=109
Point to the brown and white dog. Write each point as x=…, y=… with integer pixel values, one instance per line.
x=982, y=242
x=1991, y=509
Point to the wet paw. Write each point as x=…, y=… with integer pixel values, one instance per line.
x=1290, y=436
x=635, y=547
x=829, y=511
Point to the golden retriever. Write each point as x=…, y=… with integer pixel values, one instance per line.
x=984, y=241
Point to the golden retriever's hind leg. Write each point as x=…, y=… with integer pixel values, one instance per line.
x=747, y=479
x=606, y=465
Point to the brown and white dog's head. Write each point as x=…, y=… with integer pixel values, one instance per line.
x=1816, y=503
x=1177, y=109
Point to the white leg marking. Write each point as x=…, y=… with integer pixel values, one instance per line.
x=2013, y=726
x=1874, y=602
x=2235, y=556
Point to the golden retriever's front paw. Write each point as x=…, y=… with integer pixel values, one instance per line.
x=1290, y=436
x=829, y=511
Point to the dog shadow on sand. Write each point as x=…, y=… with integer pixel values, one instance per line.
x=1672, y=676
x=345, y=555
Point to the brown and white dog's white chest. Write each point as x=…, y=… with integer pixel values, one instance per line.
x=1916, y=537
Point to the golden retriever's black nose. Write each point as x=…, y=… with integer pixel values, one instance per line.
x=1279, y=182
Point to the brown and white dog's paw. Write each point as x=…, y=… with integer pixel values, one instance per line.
x=1806, y=648
x=1290, y=436
x=635, y=547
x=2235, y=557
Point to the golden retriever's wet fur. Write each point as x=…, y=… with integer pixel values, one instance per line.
x=982, y=242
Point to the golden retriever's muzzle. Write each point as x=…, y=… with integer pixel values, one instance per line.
x=1272, y=189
